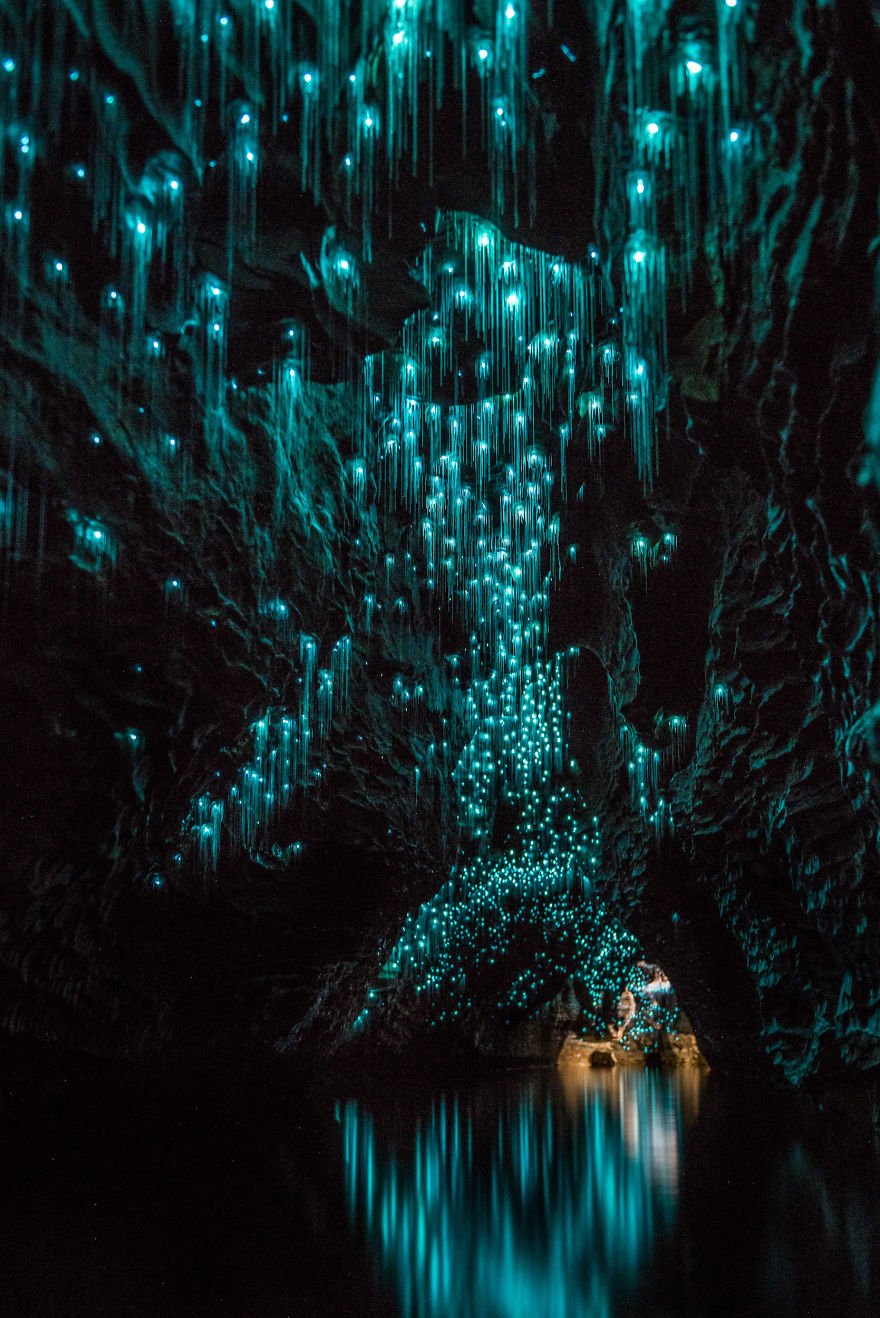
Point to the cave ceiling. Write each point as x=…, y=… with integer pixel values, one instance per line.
x=434, y=431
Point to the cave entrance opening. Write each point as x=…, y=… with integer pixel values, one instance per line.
x=643, y=1025
x=581, y=1023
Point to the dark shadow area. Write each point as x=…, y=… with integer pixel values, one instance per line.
x=678, y=922
x=619, y=1193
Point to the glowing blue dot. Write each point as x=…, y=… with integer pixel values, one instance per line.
x=73, y=75
x=483, y=53
x=9, y=66
x=694, y=67
x=652, y=129
x=245, y=118
x=109, y=99
x=734, y=135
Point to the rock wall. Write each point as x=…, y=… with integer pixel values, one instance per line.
x=164, y=576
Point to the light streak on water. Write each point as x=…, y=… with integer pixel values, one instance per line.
x=542, y=1199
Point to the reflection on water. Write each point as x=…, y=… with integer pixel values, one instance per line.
x=543, y=1197
x=522, y=1196
x=805, y=1207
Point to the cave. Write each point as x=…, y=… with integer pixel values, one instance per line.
x=439, y=533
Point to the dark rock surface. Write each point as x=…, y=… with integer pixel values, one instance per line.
x=125, y=697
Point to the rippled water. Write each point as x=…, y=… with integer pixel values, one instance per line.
x=531, y=1195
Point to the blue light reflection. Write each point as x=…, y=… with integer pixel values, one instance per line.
x=544, y=1198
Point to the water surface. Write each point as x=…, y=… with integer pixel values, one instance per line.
x=522, y=1195
x=531, y=1198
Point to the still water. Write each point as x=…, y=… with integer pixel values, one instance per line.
x=529, y=1199
x=522, y=1195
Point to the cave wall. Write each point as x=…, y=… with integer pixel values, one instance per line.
x=136, y=667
